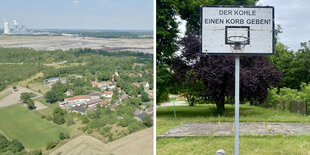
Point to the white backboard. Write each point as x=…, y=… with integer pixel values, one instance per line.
x=220, y=24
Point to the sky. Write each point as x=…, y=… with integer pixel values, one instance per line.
x=79, y=14
x=294, y=18
x=292, y=15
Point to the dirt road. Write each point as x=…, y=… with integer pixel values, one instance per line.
x=139, y=143
x=14, y=97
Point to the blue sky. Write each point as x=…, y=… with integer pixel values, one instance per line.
x=293, y=16
x=79, y=14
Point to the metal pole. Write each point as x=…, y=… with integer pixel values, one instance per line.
x=237, y=69
x=175, y=116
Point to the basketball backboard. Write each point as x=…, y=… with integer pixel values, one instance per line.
x=225, y=26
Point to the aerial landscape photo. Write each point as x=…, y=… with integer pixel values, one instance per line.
x=78, y=80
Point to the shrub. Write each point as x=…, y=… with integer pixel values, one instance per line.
x=61, y=136
x=43, y=116
x=49, y=118
x=4, y=142
x=58, y=116
x=148, y=121
x=16, y=146
x=124, y=122
x=69, y=121
x=85, y=120
x=51, y=145
x=67, y=136
x=84, y=128
x=145, y=97
x=110, y=137
x=134, y=126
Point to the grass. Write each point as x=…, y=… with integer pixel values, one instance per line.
x=49, y=110
x=19, y=123
x=254, y=145
x=5, y=94
x=205, y=113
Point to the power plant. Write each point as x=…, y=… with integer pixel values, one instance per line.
x=6, y=29
x=18, y=29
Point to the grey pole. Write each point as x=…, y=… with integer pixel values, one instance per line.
x=237, y=69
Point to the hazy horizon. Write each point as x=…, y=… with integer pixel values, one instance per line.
x=79, y=14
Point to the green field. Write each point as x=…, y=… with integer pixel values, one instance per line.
x=254, y=145
x=249, y=145
x=205, y=113
x=19, y=123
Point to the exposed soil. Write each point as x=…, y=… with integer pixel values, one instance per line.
x=139, y=143
x=66, y=43
x=14, y=98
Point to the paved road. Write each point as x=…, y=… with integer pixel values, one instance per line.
x=246, y=128
x=14, y=98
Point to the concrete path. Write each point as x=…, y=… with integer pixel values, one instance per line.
x=14, y=97
x=246, y=128
x=176, y=103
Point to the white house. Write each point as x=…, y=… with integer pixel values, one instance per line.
x=107, y=94
x=78, y=100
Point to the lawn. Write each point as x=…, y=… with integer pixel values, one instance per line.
x=254, y=145
x=205, y=113
x=249, y=145
x=19, y=123
x=49, y=110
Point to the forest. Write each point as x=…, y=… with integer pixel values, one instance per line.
x=20, y=64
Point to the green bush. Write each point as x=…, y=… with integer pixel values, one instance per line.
x=85, y=120
x=51, y=145
x=134, y=126
x=61, y=136
x=43, y=116
x=148, y=121
x=49, y=118
x=4, y=142
x=16, y=146
x=58, y=116
x=84, y=128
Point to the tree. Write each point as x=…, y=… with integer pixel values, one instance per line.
x=216, y=73
x=30, y=104
x=58, y=116
x=4, y=142
x=25, y=96
x=14, y=87
x=57, y=93
x=166, y=44
x=16, y=146
x=145, y=97
x=115, y=92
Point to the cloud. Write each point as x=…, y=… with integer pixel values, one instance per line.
x=75, y=2
x=91, y=9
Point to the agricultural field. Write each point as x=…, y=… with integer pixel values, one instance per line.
x=34, y=133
